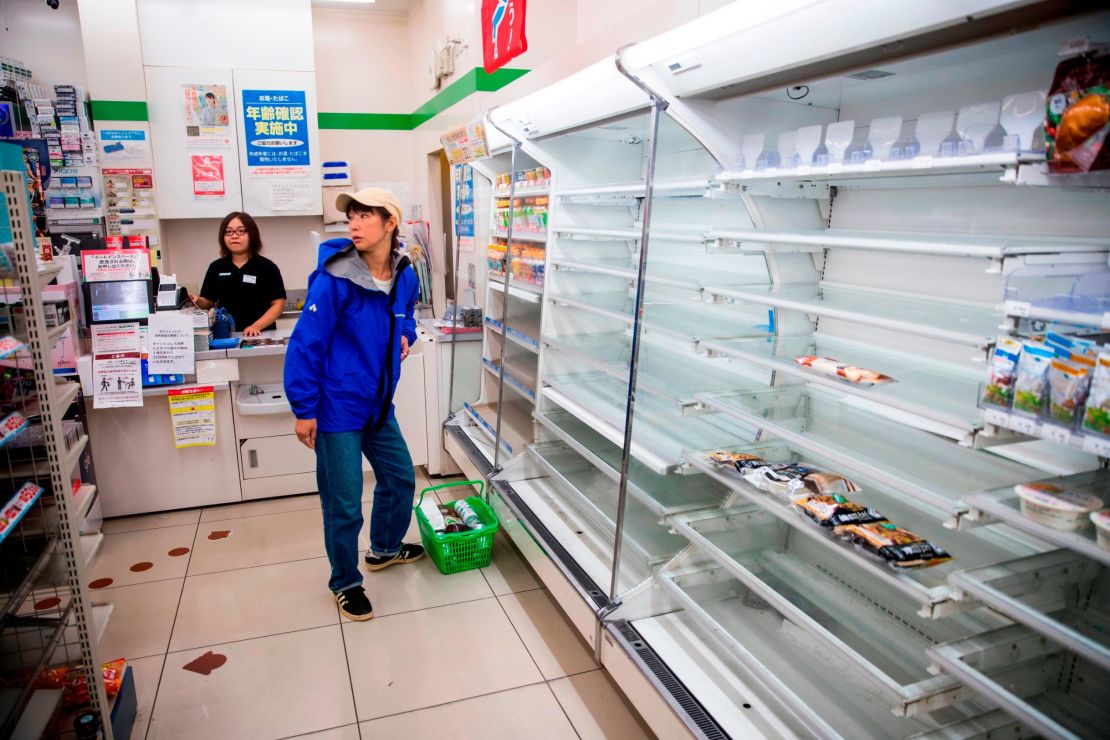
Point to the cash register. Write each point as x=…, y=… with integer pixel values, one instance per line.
x=114, y=301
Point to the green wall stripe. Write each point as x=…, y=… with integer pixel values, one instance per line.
x=379, y=121
x=119, y=110
x=476, y=80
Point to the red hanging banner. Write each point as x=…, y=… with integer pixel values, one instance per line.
x=502, y=32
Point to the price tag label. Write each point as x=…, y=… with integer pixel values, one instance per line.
x=995, y=417
x=1024, y=426
x=1056, y=434
x=921, y=163
x=1096, y=446
x=1017, y=308
x=873, y=165
x=835, y=168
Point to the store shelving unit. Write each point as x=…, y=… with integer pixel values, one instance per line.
x=46, y=619
x=744, y=615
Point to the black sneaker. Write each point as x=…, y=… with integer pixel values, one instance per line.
x=354, y=605
x=407, y=554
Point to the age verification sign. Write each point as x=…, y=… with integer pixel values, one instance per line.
x=276, y=129
x=502, y=32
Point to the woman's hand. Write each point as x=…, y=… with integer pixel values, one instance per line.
x=306, y=432
x=252, y=331
x=404, y=348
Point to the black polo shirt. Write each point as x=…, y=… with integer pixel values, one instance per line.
x=247, y=291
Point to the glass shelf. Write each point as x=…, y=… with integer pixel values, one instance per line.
x=513, y=378
x=484, y=417
x=662, y=372
x=874, y=651
x=598, y=492
x=518, y=288
x=935, y=472
x=674, y=188
x=963, y=323
x=1004, y=504
x=1027, y=425
x=1053, y=593
x=631, y=233
x=942, y=393
x=661, y=273
x=663, y=494
x=519, y=236
x=927, y=587
x=994, y=247
x=658, y=439
x=1045, y=688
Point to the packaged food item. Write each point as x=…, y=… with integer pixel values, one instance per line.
x=1065, y=390
x=1101, y=520
x=1031, y=385
x=1078, y=114
x=739, y=460
x=1002, y=372
x=1057, y=506
x=898, y=547
x=851, y=373
x=433, y=515
x=836, y=511
x=1096, y=419
x=784, y=478
x=466, y=513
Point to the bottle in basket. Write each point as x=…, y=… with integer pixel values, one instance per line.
x=469, y=518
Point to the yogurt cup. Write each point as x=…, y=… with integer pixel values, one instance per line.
x=1101, y=521
x=1056, y=506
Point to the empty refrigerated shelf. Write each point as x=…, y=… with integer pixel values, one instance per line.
x=995, y=247
x=519, y=376
x=1053, y=593
x=484, y=417
x=971, y=324
x=1004, y=504
x=518, y=288
x=695, y=187
x=934, y=472
x=1049, y=690
x=658, y=437
x=935, y=391
x=661, y=273
x=663, y=494
x=671, y=232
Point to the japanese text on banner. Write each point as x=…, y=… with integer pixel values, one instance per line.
x=275, y=127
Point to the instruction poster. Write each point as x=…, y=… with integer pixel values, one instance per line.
x=206, y=120
x=117, y=370
x=208, y=176
x=291, y=196
x=465, y=143
x=103, y=265
x=169, y=343
x=123, y=147
x=193, y=416
x=275, y=128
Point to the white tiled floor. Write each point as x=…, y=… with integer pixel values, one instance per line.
x=481, y=654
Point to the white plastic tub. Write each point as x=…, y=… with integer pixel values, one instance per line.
x=1056, y=506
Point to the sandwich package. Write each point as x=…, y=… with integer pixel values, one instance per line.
x=1002, y=373
x=1077, y=120
x=784, y=479
x=899, y=548
x=1096, y=418
x=1031, y=384
x=835, y=511
x=850, y=373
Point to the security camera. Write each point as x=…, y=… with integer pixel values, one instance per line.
x=53, y=4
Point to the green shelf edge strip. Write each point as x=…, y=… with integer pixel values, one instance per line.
x=476, y=80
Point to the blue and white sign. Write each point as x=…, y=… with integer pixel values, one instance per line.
x=123, y=147
x=275, y=128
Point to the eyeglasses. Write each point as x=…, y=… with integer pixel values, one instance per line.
x=235, y=232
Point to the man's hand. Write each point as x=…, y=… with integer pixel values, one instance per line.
x=252, y=331
x=404, y=348
x=306, y=432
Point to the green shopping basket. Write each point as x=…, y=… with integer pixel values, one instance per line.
x=454, y=552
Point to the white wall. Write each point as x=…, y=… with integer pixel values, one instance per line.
x=47, y=41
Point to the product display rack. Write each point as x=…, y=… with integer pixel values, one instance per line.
x=744, y=616
x=48, y=620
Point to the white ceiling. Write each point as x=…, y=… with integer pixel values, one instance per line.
x=383, y=7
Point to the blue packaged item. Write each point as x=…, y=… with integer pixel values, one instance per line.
x=229, y=343
x=223, y=325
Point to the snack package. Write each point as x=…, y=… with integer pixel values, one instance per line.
x=741, y=461
x=1097, y=417
x=836, y=511
x=787, y=479
x=1077, y=119
x=894, y=545
x=851, y=373
x=1031, y=385
x=1002, y=372
x=1065, y=391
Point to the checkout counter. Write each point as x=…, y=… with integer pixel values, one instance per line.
x=257, y=455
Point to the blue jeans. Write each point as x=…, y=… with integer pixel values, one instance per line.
x=339, y=478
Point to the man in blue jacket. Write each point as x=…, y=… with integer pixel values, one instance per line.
x=341, y=370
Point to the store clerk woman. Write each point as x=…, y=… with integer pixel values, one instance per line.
x=244, y=282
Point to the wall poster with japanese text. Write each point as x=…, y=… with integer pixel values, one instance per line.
x=275, y=129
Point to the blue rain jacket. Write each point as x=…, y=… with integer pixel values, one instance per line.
x=343, y=361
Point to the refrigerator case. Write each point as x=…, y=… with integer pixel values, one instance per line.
x=782, y=228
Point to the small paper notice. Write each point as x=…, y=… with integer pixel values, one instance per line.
x=117, y=372
x=193, y=415
x=291, y=196
x=169, y=343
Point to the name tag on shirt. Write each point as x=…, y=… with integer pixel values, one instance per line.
x=225, y=274
x=250, y=279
